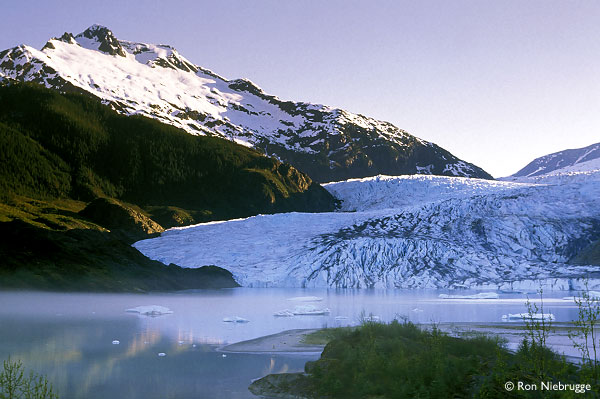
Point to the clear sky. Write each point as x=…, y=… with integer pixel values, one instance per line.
x=497, y=83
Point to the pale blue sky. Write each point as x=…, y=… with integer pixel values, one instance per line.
x=497, y=83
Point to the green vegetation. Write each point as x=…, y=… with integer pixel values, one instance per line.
x=15, y=384
x=71, y=146
x=401, y=360
x=585, y=336
x=79, y=183
x=90, y=260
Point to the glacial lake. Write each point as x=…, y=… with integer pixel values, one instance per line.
x=69, y=337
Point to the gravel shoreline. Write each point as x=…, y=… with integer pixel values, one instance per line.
x=285, y=341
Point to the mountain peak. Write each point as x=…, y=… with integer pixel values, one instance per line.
x=572, y=160
x=98, y=37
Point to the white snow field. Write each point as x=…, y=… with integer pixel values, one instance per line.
x=408, y=232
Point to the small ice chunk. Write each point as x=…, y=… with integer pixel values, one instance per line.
x=310, y=310
x=527, y=316
x=482, y=295
x=150, y=310
x=224, y=355
x=116, y=342
x=417, y=310
x=306, y=299
x=162, y=354
x=193, y=345
x=284, y=313
x=235, y=319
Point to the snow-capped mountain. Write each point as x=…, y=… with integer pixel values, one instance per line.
x=408, y=231
x=156, y=81
x=567, y=161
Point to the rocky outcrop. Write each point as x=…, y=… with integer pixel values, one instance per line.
x=114, y=215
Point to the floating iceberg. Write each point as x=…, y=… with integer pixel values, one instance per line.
x=306, y=299
x=162, y=354
x=310, y=310
x=235, y=319
x=527, y=316
x=116, y=342
x=483, y=295
x=593, y=295
x=150, y=310
x=284, y=313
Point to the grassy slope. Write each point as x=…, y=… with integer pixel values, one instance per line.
x=59, y=152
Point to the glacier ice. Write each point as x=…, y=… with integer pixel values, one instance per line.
x=409, y=232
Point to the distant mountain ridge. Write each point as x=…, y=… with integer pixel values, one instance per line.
x=329, y=144
x=572, y=160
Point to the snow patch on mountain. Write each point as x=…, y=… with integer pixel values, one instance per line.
x=408, y=231
x=158, y=82
x=585, y=159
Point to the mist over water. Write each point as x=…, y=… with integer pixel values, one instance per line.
x=69, y=337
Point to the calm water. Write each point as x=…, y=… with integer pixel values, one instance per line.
x=69, y=337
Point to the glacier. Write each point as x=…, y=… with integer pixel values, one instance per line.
x=409, y=232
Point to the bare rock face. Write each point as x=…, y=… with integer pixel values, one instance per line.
x=327, y=143
x=589, y=255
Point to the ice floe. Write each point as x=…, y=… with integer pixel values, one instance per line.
x=528, y=316
x=116, y=342
x=284, y=313
x=150, y=310
x=310, y=310
x=483, y=295
x=593, y=295
x=235, y=319
x=306, y=299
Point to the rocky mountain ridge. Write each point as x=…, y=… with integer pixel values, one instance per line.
x=155, y=80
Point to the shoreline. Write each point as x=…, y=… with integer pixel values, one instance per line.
x=288, y=341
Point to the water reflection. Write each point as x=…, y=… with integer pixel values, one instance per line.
x=69, y=337
x=79, y=358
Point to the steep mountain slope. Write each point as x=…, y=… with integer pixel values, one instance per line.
x=576, y=160
x=70, y=146
x=156, y=81
x=60, y=151
x=413, y=231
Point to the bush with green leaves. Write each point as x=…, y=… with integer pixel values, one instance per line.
x=15, y=383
